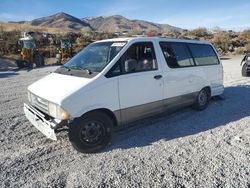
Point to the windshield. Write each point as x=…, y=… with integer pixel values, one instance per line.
x=29, y=44
x=95, y=56
x=65, y=43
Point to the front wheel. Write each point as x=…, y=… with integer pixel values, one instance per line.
x=202, y=99
x=244, y=70
x=91, y=132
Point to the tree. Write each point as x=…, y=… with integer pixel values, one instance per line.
x=217, y=29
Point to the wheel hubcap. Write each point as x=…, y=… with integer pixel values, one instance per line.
x=202, y=98
x=92, y=132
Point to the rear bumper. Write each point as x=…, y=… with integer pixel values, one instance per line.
x=37, y=119
x=218, y=90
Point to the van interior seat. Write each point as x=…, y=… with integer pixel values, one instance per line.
x=130, y=65
x=145, y=64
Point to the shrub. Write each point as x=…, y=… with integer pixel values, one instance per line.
x=240, y=51
x=200, y=32
x=244, y=37
x=222, y=40
x=247, y=47
x=172, y=33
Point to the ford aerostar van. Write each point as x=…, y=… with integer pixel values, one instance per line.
x=114, y=82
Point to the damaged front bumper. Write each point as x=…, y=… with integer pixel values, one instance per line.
x=36, y=118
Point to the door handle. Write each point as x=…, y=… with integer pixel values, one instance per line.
x=157, y=77
x=190, y=80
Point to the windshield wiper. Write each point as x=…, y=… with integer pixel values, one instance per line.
x=80, y=68
x=66, y=68
x=88, y=71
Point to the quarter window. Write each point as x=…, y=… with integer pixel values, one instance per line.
x=176, y=55
x=203, y=54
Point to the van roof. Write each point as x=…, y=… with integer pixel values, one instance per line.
x=158, y=39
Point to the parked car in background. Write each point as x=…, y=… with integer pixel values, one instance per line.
x=114, y=82
x=246, y=65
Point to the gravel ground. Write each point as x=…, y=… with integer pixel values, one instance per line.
x=186, y=149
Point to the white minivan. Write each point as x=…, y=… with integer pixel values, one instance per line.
x=114, y=82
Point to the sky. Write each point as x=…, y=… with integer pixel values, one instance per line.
x=188, y=14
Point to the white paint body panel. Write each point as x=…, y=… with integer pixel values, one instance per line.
x=139, y=88
x=79, y=95
x=55, y=87
x=100, y=93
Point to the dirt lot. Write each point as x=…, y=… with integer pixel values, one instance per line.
x=187, y=149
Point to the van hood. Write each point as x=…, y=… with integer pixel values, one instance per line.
x=55, y=87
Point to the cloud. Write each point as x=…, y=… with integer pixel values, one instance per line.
x=16, y=17
x=198, y=21
x=227, y=19
x=7, y=16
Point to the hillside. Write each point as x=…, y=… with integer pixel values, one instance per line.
x=61, y=20
x=109, y=24
x=119, y=23
x=25, y=27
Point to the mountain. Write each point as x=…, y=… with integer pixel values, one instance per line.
x=119, y=23
x=111, y=24
x=61, y=20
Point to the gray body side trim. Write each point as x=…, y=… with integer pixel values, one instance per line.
x=128, y=115
x=131, y=114
x=118, y=117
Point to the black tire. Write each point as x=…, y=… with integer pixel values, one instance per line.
x=20, y=64
x=38, y=60
x=244, y=70
x=202, y=99
x=91, y=132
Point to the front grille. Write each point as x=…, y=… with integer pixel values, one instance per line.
x=40, y=103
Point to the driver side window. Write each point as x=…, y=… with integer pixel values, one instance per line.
x=139, y=57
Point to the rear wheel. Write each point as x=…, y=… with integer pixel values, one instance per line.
x=202, y=99
x=91, y=133
x=20, y=64
x=244, y=70
x=38, y=60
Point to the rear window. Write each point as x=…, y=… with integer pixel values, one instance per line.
x=203, y=54
x=176, y=54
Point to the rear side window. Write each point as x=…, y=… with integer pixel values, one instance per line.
x=203, y=54
x=176, y=54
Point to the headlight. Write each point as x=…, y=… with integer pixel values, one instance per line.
x=57, y=112
x=29, y=96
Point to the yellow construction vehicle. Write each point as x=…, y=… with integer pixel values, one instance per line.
x=29, y=55
x=64, y=51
